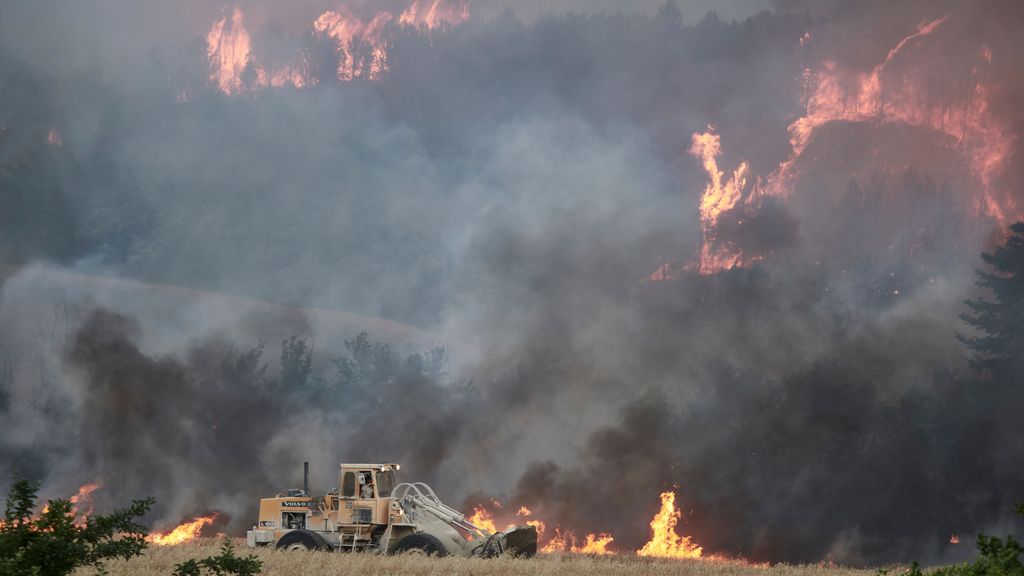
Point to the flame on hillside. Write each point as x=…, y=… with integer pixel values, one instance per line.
x=881, y=95
x=228, y=47
x=362, y=51
x=361, y=46
x=184, y=532
x=720, y=195
x=232, y=66
x=833, y=93
x=827, y=100
x=434, y=13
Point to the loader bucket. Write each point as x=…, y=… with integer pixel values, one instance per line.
x=521, y=541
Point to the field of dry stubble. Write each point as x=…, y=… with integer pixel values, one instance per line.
x=160, y=560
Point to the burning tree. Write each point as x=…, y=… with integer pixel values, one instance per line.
x=998, y=349
x=54, y=542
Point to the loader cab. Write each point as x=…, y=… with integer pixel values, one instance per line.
x=364, y=493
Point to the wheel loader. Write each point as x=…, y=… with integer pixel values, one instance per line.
x=369, y=511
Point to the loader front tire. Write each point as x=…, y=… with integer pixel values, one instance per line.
x=421, y=543
x=301, y=541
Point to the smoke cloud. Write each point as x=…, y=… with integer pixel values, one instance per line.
x=506, y=192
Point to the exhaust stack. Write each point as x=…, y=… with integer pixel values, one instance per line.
x=305, y=478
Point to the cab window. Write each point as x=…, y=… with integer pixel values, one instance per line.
x=385, y=483
x=348, y=485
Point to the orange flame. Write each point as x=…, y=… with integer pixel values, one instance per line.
x=595, y=545
x=228, y=46
x=665, y=542
x=185, y=532
x=876, y=96
x=434, y=13
x=661, y=273
x=83, y=498
x=537, y=524
x=828, y=100
x=349, y=32
x=559, y=542
x=85, y=492
x=361, y=45
x=954, y=539
x=834, y=94
x=229, y=50
x=719, y=196
x=567, y=542
x=483, y=519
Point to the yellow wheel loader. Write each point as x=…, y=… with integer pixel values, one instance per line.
x=370, y=512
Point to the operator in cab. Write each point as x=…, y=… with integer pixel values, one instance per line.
x=366, y=491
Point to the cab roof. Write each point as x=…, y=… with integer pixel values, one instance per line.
x=373, y=466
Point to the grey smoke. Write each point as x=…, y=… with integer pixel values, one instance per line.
x=504, y=192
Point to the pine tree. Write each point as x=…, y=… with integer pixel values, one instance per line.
x=998, y=348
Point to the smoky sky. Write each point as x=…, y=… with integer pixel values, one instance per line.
x=505, y=192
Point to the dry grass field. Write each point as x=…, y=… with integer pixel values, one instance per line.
x=161, y=560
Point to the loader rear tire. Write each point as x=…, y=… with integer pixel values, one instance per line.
x=301, y=541
x=421, y=543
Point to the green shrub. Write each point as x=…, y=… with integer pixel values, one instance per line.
x=52, y=544
x=223, y=565
x=995, y=558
